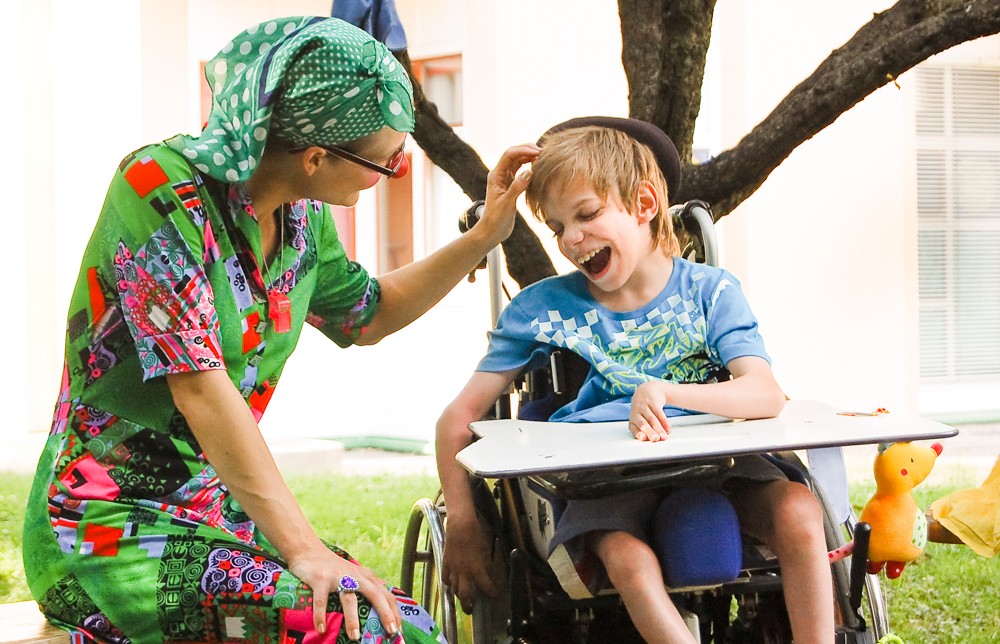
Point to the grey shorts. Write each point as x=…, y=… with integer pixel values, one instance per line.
x=632, y=512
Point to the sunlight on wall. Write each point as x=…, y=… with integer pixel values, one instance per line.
x=825, y=249
x=97, y=118
x=13, y=326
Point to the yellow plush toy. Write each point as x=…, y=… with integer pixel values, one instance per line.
x=973, y=515
x=899, y=528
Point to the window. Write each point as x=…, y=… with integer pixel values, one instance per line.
x=395, y=222
x=958, y=211
x=343, y=218
x=441, y=79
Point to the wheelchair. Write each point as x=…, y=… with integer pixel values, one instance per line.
x=726, y=592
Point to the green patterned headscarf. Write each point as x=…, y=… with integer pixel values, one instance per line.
x=312, y=81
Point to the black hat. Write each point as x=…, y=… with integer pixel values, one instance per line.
x=646, y=133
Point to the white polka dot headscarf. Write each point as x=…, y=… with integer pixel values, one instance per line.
x=313, y=81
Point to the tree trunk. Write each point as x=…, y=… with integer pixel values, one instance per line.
x=664, y=44
x=894, y=41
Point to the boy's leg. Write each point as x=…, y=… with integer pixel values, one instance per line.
x=634, y=570
x=788, y=518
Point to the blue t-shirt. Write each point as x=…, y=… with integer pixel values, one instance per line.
x=694, y=327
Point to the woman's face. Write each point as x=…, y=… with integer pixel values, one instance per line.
x=338, y=181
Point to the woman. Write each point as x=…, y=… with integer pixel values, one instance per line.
x=157, y=513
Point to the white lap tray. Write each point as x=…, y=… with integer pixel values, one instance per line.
x=514, y=448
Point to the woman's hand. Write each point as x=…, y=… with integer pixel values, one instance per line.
x=409, y=291
x=503, y=186
x=646, y=419
x=221, y=421
x=321, y=569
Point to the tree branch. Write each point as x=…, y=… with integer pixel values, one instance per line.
x=527, y=261
x=894, y=41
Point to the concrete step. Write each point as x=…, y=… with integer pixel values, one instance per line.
x=23, y=623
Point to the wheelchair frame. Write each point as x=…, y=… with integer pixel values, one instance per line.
x=532, y=607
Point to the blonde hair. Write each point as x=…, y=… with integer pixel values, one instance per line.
x=613, y=163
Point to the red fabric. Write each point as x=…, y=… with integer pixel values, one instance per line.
x=145, y=176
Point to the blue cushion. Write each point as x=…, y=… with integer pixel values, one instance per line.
x=696, y=536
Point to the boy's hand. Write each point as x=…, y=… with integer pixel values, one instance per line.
x=646, y=420
x=504, y=185
x=468, y=551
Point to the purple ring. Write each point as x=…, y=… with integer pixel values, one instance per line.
x=348, y=584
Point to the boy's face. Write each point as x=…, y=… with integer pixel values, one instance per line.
x=599, y=235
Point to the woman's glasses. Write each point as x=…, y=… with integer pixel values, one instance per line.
x=394, y=166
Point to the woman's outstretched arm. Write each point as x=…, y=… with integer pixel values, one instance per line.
x=407, y=293
x=228, y=434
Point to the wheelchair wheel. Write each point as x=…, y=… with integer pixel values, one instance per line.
x=761, y=616
x=841, y=571
x=426, y=526
x=873, y=595
x=848, y=626
x=491, y=616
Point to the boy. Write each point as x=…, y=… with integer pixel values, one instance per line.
x=654, y=328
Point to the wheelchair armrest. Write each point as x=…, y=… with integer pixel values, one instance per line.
x=591, y=484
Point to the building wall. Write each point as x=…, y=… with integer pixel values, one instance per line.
x=822, y=247
x=826, y=249
x=14, y=325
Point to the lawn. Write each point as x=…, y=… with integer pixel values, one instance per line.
x=948, y=595
x=364, y=515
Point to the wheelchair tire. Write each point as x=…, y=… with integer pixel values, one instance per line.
x=491, y=616
x=841, y=571
x=426, y=526
x=848, y=627
x=770, y=618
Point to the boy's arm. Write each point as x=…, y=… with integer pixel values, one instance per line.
x=468, y=547
x=752, y=393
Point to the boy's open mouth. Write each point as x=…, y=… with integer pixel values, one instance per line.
x=597, y=261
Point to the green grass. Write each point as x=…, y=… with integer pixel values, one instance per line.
x=364, y=515
x=13, y=496
x=948, y=595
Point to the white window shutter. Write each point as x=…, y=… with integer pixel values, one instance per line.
x=958, y=213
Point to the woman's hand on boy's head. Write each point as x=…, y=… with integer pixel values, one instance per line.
x=504, y=186
x=646, y=421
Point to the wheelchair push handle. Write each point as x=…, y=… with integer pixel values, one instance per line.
x=466, y=221
x=695, y=218
x=471, y=216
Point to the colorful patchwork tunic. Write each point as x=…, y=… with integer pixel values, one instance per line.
x=130, y=536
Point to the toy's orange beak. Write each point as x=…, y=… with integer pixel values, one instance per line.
x=938, y=448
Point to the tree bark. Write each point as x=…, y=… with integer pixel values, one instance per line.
x=664, y=44
x=894, y=41
x=527, y=261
